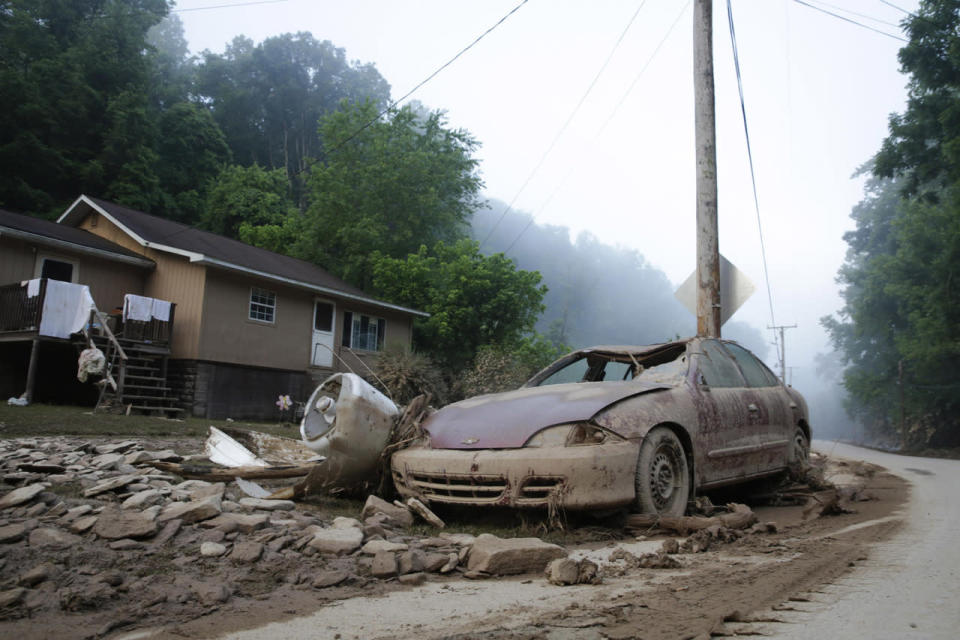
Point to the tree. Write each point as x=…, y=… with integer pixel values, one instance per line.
x=388, y=185
x=267, y=98
x=63, y=65
x=924, y=141
x=250, y=203
x=473, y=300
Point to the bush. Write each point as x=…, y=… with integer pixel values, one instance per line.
x=407, y=374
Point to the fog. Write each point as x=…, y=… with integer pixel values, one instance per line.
x=610, y=183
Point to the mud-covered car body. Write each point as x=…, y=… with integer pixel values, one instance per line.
x=573, y=436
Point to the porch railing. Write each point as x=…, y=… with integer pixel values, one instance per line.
x=19, y=312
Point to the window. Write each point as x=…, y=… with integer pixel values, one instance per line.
x=717, y=368
x=363, y=332
x=323, y=316
x=754, y=371
x=57, y=270
x=263, y=305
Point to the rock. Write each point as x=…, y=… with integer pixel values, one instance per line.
x=76, y=512
x=341, y=522
x=143, y=499
x=413, y=579
x=400, y=515
x=38, y=574
x=213, y=535
x=329, y=579
x=53, y=538
x=11, y=597
x=112, y=578
x=91, y=596
x=670, y=545
x=125, y=544
x=337, y=540
x=267, y=505
x=433, y=562
x=166, y=455
x=428, y=516
x=111, y=484
x=215, y=489
x=244, y=523
x=244, y=552
x=22, y=495
x=82, y=525
x=374, y=547
x=499, y=556
x=193, y=511
x=589, y=573
x=137, y=457
x=107, y=461
x=115, y=523
x=115, y=447
x=211, y=594
x=412, y=561
x=459, y=539
x=169, y=530
x=563, y=571
x=384, y=565
x=212, y=549
x=453, y=560
x=12, y=532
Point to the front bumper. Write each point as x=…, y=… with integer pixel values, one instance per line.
x=581, y=477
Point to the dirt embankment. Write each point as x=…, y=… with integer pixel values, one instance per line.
x=71, y=569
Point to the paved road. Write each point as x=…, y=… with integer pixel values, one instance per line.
x=910, y=586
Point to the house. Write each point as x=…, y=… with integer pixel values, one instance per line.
x=250, y=324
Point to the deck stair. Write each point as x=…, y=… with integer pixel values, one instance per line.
x=141, y=378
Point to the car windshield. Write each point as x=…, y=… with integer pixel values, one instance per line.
x=668, y=366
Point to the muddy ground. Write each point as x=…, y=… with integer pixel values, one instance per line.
x=87, y=586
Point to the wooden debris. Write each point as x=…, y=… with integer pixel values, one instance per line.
x=739, y=517
x=217, y=473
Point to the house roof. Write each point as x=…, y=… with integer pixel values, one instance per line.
x=215, y=250
x=55, y=235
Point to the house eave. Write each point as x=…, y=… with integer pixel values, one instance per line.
x=66, y=245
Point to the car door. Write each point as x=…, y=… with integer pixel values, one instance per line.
x=727, y=425
x=774, y=424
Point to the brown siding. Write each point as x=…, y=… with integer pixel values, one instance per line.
x=108, y=280
x=228, y=335
x=174, y=279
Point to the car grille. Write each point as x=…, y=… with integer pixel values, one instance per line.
x=537, y=489
x=444, y=487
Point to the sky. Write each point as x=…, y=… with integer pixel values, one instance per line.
x=818, y=93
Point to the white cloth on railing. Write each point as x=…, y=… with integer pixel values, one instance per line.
x=143, y=308
x=33, y=287
x=66, y=309
x=137, y=307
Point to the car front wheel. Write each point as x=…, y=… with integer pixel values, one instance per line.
x=799, y=448
x=662, y=480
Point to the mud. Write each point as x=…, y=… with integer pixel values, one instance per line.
x=171, y=590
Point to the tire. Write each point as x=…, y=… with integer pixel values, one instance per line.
x=663, y=478
x=799, y=449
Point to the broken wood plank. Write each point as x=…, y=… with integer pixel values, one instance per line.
x=220, y=473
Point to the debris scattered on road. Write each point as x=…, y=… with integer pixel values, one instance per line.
x=738, y=516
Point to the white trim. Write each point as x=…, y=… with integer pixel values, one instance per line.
x=202, y=259
x=273, y=307
x=79, y=248
x=43, y=257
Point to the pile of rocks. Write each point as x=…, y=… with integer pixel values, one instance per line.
x=87, y=525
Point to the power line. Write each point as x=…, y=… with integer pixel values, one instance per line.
x=845, y=19
x=226, y=6
x=753, y=175
x=859, y=15
x=430, y=77
x=570, y=118
x=603, y=127
x=890, y=4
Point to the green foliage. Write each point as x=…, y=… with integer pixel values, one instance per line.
x=473, y=300
x=394, y=185
x=408, y=374
x=250, y=203
x=268, y=97
x=924, y=141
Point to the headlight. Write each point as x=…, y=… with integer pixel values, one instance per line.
x=571, y=435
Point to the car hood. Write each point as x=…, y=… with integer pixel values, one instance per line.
x=508, y=420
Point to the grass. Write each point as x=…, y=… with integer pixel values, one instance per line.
x=60, y=420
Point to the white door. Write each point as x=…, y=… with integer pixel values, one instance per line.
x=321, y=347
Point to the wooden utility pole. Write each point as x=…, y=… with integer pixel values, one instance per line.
x=783, y=349
x=708, y=245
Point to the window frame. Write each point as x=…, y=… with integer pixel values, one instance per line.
x=272, y=305
x=44, y=257
x=347, y=337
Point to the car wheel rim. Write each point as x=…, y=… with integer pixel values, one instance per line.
x=663, y=475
